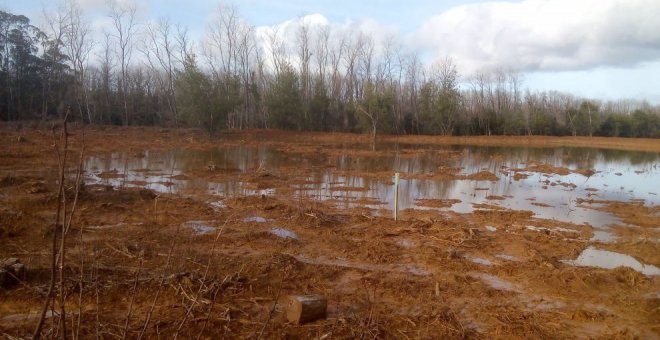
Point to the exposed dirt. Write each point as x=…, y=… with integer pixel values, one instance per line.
x=437, y=203
x=193, y=264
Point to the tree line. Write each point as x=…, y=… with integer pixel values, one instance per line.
x=153, y=73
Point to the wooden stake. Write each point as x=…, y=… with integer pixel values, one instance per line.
x=305, y=308
x=396, y=196
x=156, y=209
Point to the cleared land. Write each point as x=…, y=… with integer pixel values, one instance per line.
x=225, y=270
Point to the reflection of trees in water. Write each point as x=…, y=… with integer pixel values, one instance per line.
x=588, y=158
x=409, y=190
x=415, y=189
x=472, y=159
x=124, y=162
x=392, y=163
x=227, y=188
x=582, y=158
x=633, y=157
x=246, y=158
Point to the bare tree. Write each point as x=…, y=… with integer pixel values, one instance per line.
x=52, y=46
x=125, y=26
x=413, y=75
x=321, y=53
x=247, y=49
x=77, y=39
x=366, y=52
x=353, y=61
x=390, y=76
x=230, y=55
x=277, y=50
x=304, y=56
x=106, y=65
x=480, y=94
x=260, y=84
x=336, y=56
x=160, y=49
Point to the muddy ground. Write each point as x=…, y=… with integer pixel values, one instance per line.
x=146, y=264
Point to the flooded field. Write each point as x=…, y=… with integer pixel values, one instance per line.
x=355, y=175
x=520, y=237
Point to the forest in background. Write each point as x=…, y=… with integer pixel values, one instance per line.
x=153, y=73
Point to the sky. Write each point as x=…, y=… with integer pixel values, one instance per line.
x=603, y=49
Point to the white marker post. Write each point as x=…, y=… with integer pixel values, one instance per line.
x=396, y=196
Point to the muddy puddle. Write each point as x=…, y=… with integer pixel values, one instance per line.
x=603, y=236
x=593, y=257
x=495, y=282
x=255, y=219
x=284, y=233
x=546, y=181
x=199, y=227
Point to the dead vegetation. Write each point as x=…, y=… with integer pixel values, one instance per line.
x=136, y=269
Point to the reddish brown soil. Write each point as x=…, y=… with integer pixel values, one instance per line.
x=420, y=277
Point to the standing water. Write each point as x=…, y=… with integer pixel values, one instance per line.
x=354, y=175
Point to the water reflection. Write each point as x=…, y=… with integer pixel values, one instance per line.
x=345, y=175
x=284, y=233
x=592, y=257
x=199, y=227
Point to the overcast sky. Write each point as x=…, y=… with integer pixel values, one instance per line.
x=606, y=49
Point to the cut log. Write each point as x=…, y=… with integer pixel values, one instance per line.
x=306, y=308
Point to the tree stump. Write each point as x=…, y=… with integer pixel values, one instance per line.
x=306, y=308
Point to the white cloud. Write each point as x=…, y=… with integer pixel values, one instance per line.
x=549, y=35
x=568, y=44
x=287, y=32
